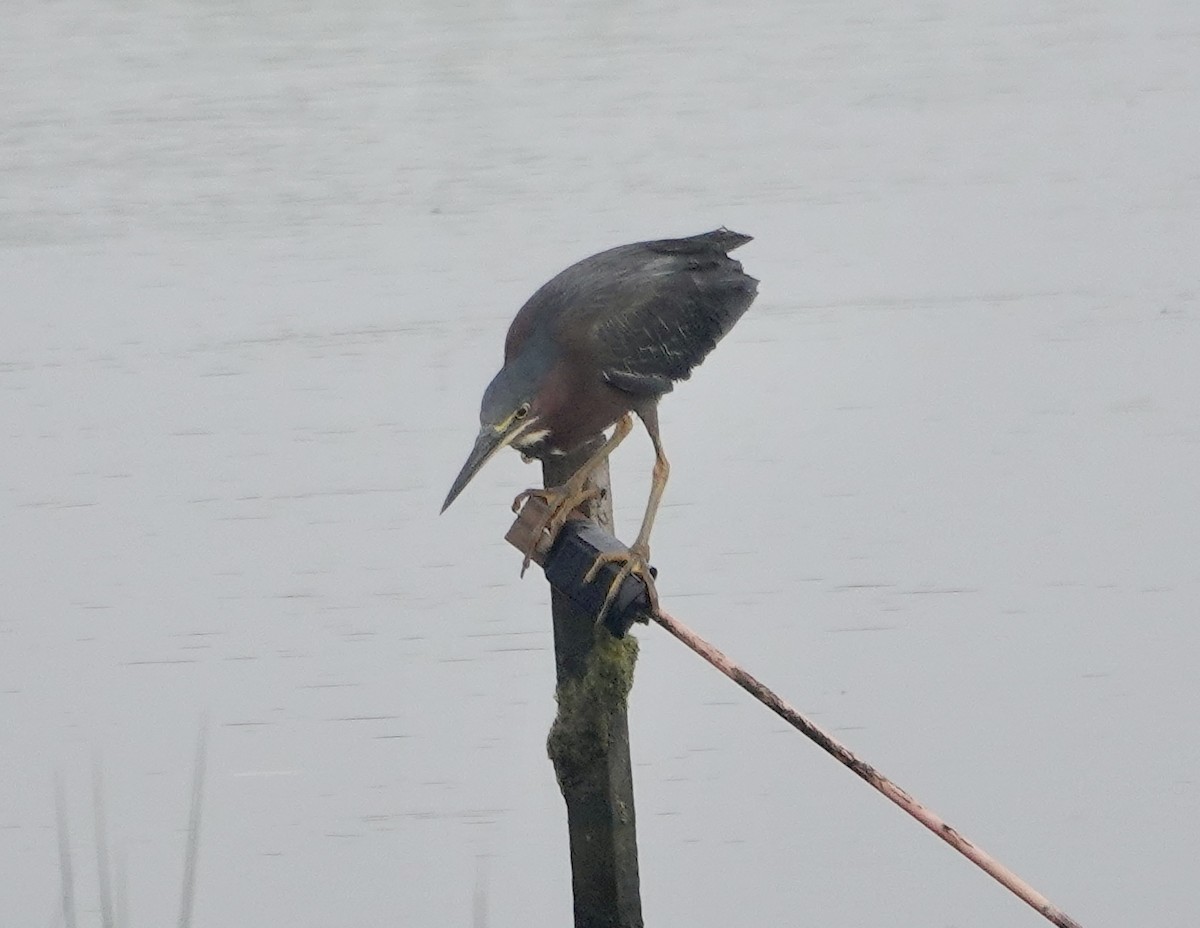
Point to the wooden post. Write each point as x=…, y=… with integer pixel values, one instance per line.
x=589, y=743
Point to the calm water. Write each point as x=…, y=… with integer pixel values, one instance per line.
x=939, y=487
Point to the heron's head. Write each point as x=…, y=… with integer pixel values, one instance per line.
x=509, y=415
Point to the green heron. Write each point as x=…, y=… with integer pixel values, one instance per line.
x=607, y=337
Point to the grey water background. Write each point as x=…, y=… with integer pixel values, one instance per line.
x=939, y=487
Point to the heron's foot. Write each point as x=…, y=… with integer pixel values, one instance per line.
x=634, y=562
x=560, y=502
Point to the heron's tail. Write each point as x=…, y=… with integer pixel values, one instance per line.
x=719, y=240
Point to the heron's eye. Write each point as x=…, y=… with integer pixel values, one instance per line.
x=522, y=412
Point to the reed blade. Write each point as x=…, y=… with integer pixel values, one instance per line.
x=64, y=853
x=102, y=870
x=193, y=835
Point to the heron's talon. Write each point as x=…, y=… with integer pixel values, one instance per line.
x=560, y=503
x=635, y=561
x=520, y=498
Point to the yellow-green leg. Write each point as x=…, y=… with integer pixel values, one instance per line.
x=562, y=501
x=637, y=559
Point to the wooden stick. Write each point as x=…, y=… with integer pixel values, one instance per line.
x=589, y=742
x=827, y=743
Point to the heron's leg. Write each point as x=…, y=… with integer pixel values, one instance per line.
x=637, y=560
x=562, y=501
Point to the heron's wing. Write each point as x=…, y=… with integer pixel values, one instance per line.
x=645, y=315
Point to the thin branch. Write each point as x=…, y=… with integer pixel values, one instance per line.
x=839, y=752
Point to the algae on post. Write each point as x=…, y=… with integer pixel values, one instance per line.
x=582, y=728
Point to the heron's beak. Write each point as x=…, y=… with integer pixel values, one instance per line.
x=488, y=443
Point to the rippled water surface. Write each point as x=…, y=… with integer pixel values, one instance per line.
x=939, y=487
